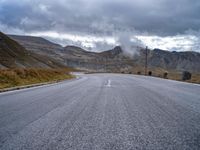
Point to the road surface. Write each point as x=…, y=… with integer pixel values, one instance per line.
x=102, y=112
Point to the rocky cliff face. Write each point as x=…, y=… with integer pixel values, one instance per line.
x=112, y=60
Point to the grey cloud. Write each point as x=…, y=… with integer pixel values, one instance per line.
x=97, y=46
x=164, y=17
x=101, y=17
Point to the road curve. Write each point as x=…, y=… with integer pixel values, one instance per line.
x=102, y=112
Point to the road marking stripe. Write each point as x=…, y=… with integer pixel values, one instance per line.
x=109, y=83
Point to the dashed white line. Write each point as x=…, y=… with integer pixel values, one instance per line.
x=109, y=83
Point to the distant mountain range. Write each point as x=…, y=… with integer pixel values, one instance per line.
x=30, y=51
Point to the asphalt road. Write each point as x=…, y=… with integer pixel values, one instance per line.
x=102, y=112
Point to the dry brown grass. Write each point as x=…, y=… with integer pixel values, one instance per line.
x=195, y=78
x=18, y=77
x=173, y=75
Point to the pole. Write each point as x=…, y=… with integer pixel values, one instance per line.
x=146, y=63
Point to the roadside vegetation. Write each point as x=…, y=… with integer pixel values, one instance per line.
x=19, y=77
x=177, y=76
x=160, y=73
x=168, y=74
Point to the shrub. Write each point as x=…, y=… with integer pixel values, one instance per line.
x=186, y=75
x=150, y=73
x=165, y=74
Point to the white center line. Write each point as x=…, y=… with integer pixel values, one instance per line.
x=109, y=83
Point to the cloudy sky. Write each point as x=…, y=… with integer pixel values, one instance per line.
x=101, y=24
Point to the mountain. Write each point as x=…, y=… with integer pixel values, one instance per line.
x=107, y=61
x=70, y=55
x=13, y=55
x=180, y=61
x=117, y=51
x=39, y=45
x=114, y=60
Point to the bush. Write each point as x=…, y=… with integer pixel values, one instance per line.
x=150, y=73
x=165, y=74
x=186, y=75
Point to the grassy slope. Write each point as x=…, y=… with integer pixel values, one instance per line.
x=18, y=77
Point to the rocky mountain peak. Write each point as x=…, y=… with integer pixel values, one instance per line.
x=117, y=50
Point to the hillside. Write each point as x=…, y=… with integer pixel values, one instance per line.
x=13, y=55
x=180, y=61
x=39, y=45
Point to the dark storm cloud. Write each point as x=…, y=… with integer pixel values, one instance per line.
x=164, y=17
x=101, y=17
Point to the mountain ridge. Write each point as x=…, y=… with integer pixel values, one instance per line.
x=112, y=60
